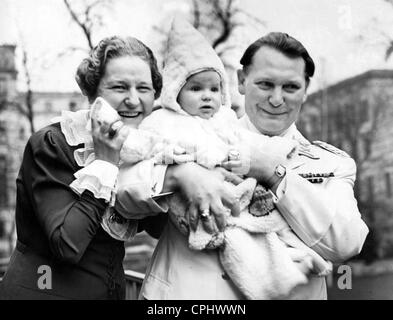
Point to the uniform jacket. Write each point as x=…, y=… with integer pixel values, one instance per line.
x=316, y=198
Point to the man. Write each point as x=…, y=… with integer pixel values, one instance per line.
x=315, y=189
x=324, y=214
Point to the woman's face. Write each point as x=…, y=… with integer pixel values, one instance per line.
x=127, y=86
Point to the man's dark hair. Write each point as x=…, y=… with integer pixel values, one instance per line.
x=283, y=43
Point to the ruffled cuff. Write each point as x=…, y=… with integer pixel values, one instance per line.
x=99, y=177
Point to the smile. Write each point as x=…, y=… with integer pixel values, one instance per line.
x=129, y=114
x=274, y=114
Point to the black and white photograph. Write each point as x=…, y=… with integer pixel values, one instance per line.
x=196, y=150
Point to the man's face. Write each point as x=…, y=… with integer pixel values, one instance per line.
x=274, y=87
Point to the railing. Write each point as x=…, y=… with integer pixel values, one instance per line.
x=133, y=284
x=133, y=281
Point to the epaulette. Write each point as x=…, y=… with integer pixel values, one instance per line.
x=331, y=148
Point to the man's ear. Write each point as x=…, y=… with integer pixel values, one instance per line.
x=241, y=78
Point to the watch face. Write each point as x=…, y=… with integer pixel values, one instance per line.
x=280, y=170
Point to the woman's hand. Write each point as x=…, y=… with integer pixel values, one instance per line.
x=205, y=192
x=108, y=139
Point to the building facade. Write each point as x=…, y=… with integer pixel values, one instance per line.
x=356, y=115
x=15, y=130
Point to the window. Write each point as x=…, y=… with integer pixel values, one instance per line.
x=3, y=133
x=388, y=184
x=48, y=106
x=3, y=182
x=370, y=185
x=3, y=86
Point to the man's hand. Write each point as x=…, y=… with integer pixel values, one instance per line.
x=205, y=192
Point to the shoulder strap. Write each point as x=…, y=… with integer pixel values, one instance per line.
x=330, y=148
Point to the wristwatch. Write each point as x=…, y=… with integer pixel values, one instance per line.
x=279, y=173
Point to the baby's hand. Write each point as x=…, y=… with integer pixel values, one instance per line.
x=173, y=154
x=237, y=162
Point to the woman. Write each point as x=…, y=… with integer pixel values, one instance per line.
x=58, y=228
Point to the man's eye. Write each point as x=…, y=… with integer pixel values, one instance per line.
x=265, y=85
x=291, y=87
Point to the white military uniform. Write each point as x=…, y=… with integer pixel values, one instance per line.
x=319, y=206
x=323, y=213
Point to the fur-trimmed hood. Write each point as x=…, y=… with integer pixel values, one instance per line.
x=188, y=53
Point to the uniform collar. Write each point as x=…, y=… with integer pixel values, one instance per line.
x=292, y=132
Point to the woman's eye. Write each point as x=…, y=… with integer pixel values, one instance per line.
x=144, y=89
x=118, y=88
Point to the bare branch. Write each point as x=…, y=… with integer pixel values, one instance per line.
x=225, y=19
x=389, y=50
x=84, y=25
x=196, y=14
x=252, y=17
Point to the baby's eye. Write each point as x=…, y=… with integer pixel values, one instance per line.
x=195, y=88
x=215, y=89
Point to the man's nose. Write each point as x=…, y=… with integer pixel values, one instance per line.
x=276, y=99
x=132, y=97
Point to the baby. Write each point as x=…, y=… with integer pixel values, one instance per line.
x=196, y=123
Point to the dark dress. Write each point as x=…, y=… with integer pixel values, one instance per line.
x=60, y=229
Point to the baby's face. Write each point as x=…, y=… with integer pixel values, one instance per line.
x=201, y=95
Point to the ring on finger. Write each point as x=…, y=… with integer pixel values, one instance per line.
x=234, y=155
x=205, y=214
x=111, y=133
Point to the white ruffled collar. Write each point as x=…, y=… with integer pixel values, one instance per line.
x=76, y=127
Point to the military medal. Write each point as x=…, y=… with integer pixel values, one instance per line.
x=316, y=177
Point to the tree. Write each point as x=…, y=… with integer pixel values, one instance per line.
x=218, y=21
x=389, y=49
x=88, y=15
x=29, y=110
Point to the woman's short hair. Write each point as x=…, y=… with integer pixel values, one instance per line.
x=92, y=68
x=283, y=43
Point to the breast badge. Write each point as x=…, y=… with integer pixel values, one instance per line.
x=316, y=177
